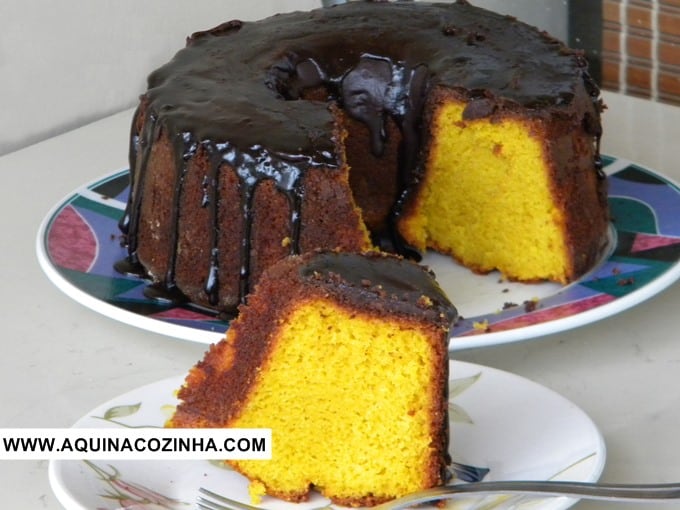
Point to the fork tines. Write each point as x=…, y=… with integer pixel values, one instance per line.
x=208, y=500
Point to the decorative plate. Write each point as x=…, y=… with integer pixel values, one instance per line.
x=524, y=432
x=79, y=242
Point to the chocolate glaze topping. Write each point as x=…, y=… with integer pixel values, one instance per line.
x=238, y=91
x=372, y=278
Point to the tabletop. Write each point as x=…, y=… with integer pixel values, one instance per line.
x=61, y=359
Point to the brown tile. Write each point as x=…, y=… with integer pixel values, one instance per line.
x=640, y=47
x=669, y=53
x=669, y=84
x=639, y=77
x=669, y=22
x=610, y=73
x=639, y=17
x=610, y=10
x=611, y=41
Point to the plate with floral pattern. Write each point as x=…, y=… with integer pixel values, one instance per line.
x=504, y=427
x=79, y=242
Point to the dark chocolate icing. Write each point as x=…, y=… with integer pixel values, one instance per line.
x=373, y=277
x=227, y=84
x=238, y=91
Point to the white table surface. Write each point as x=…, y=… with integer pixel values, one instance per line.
x=60, y=359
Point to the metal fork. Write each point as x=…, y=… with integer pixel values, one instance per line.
x=208, y=500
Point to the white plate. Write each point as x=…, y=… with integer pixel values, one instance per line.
x=511, y=426
x=79, y=241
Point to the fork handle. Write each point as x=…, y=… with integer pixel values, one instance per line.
x=583, y=490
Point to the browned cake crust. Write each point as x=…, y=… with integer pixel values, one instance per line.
x=580, y=191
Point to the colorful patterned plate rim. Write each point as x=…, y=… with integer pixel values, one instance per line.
x=526, y=432
x=79, y=241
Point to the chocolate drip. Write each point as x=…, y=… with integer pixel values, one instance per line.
x=210, y=199
x=371, y=91
x=124, y=222
x=592, y=123
x=374, y=90
x=129, y=223
x=252, y=168
x=247, y=197
x=184, y=148
x=295, y=201
x=365, y=95
x=160, y=291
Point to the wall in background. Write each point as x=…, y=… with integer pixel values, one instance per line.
x=69, y=62
x=548, y=15
x=641, y=48
x=64, y=64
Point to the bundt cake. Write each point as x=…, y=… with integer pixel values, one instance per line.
x=344, y=357
x=399, y=126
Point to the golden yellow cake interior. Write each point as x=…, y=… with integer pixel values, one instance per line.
x=349, y=410
x=487, y=198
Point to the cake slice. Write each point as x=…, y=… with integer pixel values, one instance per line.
x=345, y=357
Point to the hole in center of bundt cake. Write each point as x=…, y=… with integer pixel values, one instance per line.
x=380, y=105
